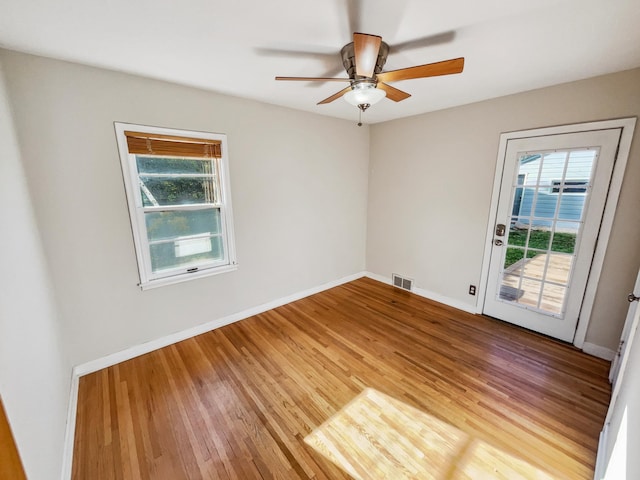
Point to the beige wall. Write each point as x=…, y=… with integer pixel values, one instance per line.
x=298, y=184
x=35, y=374
x=430, y=186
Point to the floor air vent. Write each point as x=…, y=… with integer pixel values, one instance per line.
x=401, y=282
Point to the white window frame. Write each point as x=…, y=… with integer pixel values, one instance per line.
x=148, y=278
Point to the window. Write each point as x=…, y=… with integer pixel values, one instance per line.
x=177, y=187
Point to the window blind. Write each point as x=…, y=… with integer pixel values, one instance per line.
x=158, y=144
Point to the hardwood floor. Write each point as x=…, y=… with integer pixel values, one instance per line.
x=471, y=396
x=10, y=464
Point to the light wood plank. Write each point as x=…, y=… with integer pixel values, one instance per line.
x=238, y=402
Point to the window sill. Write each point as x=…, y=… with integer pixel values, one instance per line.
x=185, y=277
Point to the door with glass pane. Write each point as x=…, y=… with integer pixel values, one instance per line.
x=549, y=212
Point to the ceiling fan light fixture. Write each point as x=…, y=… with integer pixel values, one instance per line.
x=364, y=94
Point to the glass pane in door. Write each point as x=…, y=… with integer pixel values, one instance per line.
x=549, y=195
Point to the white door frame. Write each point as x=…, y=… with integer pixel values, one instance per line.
x=627, y=125
x=628, y=336
x=626, y=339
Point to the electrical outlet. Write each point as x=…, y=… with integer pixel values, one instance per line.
x=472, y=289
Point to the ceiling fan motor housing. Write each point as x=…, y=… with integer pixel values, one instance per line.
x=349, y=60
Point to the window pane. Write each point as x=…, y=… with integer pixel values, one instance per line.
x=534, y=268
x=176, y=224
x=581, y=164
x=185, y=251
x=553, y=297
x=176, y=191
x=526, y=202
x=552, y=168
x=565, y=241
x=517, y=237
x=571, y=206
x=509, y=290
x=529, y=169
x=546, y=204
x=530, y=292
x=173, y=165
x=559, y=268
x=512, y=257
x=539, y=239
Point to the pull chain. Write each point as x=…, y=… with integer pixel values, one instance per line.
x=361, y=108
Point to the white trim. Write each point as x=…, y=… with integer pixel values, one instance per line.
x=627, y=126
x=436, y=297
x=572, y=128
x=493, y=214
x=160, y=282
x=598, y=351
x=599, y=471
x=70, y=432
x=628, y=336
x=141, y=349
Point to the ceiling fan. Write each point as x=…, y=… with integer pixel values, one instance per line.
x=363, y=60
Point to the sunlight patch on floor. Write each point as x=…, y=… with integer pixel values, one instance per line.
x=378, y=437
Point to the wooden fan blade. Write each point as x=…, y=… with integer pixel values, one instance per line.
x=314, y=79
x=335, y=96
x=366, y=48
x=446, y=67
x=393, y=93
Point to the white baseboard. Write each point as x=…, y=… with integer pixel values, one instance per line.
x=70, y=431
x=436, y=297
x=598, y=351
x=137, y=350
x=588, y=348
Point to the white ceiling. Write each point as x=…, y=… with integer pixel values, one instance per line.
x=238, y=47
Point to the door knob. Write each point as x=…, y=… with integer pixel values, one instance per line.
x=632, y=298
